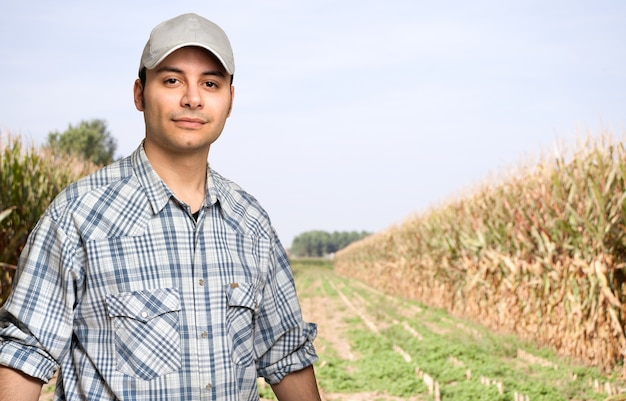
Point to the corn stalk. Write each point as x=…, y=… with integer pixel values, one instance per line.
x=541, y=252
x=30, y=178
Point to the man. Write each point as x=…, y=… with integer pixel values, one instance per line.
x=156, y=278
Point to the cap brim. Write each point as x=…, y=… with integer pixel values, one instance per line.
x=155, y=63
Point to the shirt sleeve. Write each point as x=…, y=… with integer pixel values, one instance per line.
x=283, y=340
x=36, y=319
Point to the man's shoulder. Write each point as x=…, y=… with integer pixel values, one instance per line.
x=109, y=176
x=241, y=209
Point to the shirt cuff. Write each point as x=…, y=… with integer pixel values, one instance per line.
x=28, y=360
x=299, y=359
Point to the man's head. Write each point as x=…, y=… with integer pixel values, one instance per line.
x=185, y=85
x=183, y=31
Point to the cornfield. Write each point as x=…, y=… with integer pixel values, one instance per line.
x=539, y=252
x=30, y=178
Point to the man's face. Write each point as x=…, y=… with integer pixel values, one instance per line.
x=186, y=100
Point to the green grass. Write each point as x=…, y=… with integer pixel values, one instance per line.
x=448, y=349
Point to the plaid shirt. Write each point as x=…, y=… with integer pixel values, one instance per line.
x=132, y=299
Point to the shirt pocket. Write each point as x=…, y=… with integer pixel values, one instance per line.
x=147, y=335
x=242, y=302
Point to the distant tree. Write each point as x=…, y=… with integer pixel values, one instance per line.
x=90, y=140
x=318, y=243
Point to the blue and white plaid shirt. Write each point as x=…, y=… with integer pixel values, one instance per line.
x=133, y=299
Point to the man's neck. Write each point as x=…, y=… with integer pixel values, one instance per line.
x=184, y=174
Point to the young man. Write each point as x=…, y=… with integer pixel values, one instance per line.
x=156, y=278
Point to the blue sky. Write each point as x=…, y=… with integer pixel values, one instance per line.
x=348, y=115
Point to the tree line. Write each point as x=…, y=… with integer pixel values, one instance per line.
x=90, y=140
x=319, y=243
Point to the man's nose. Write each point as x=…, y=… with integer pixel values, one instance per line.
x=191, y=98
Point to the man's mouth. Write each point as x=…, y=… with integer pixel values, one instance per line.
x=189, y=122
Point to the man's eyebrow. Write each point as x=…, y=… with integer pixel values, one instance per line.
x=169, y=69
x=218, y=73
x=166, y=68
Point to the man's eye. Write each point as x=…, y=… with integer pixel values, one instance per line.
x=171, y=81
x=211, y=84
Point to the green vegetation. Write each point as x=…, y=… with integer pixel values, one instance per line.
x=89, y=140
x=265, y=391
x=30, y=178
x=455, y=352
x=321, y=243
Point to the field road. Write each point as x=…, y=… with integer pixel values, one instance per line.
x=377, y=347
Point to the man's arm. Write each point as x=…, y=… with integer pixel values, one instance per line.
x=17, y=386
x=297, y=386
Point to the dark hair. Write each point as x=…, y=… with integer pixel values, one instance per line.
x=142, y=77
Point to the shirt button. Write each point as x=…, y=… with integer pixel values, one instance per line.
x=144, y=314
x=208, y=387
x=204, y=334
x=201, y=282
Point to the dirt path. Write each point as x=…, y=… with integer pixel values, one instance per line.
x=485, y=365
x=325, y=302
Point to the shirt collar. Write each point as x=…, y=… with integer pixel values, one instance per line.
x=157, y=191
x=212, y=193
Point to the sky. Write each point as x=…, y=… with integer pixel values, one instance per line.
x=348, y=115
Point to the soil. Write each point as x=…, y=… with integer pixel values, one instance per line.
x=330, y=315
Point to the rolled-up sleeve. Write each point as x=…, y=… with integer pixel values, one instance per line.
x=283, y=340
x=36, y=319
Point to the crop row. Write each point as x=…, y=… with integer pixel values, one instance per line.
x=539, y=252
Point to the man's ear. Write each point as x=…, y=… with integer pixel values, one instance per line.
x=138, y=95
x=232, y=99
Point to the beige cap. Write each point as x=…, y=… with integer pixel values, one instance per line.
x=187, y=30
